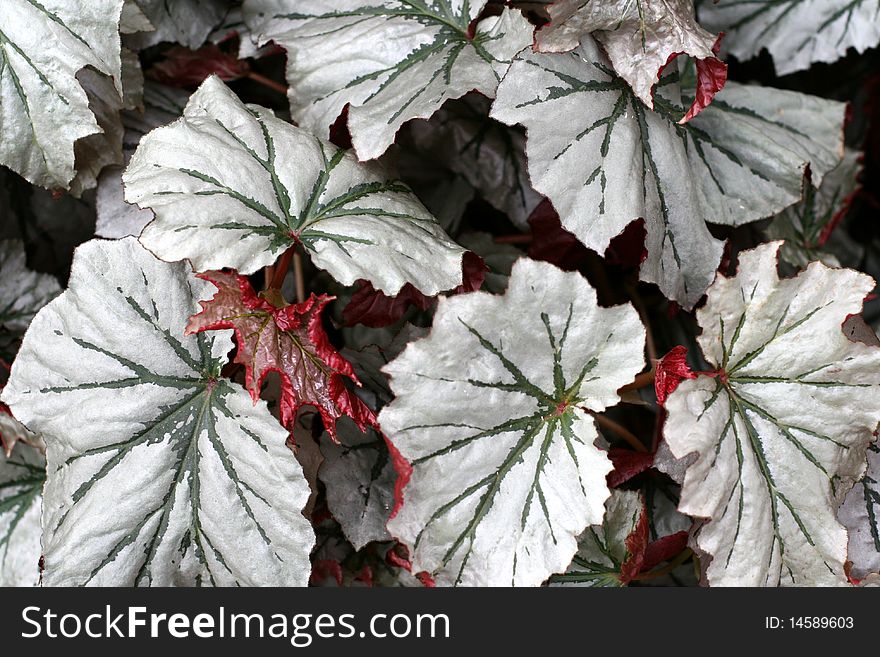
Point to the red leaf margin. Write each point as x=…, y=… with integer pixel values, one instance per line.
x=290, y=318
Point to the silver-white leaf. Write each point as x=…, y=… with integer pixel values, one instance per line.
x=639, y=37
x=159, y=471
x=605, y=160
x=390, y=60
x=492, y=410
x=795, y=32
x=780, y=431
x=233, y=186
x=44, y=109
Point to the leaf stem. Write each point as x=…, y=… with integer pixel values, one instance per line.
x=643, y=380
x=513, y=239
x=269, y=83
x=620, y=430
x=298, y=278
x=643, y=312
x=280, y=271
x=679, y=559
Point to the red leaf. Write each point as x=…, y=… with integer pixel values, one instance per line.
x=628, y=248
x=551, y=242
x=398, y=556
x=365, y=576
x=636, y=546
x=425, y=578
x=287, y=339
x=374, y=308
x=627, y=464
x=671, y=370
x=183, y=67
x=340, y=136
x=5, y=443
x=404, y=470
x=664, y=549
x=324, y=569
x=711, y=78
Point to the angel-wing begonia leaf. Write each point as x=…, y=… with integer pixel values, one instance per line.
x=390, y=60
x=611, y=553
x=808, y=227
x=44, y=110
x=187, y=22
x=160, y=472
x=781, y=428
x=22, y=291
x=795, y=32
x=640, y=39
x=604, y=159
x=492, y=411
x=289, y=340
x=22, y=474
x=234, y=186
x=860, y=514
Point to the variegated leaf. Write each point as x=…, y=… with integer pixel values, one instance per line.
x=604, y=549
x=44, y=110
x=160, y=472
x=808, y=227
x=640, y=38
x=234, y=186
x=795, y=32
x=22, y=475
x=604, y=159
x=859, y=514
x=22, y=291
x=492, y=410
x=781, y=428
x=390, y=60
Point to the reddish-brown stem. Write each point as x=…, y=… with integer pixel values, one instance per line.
x=281, y=269
x=514, y=239
x=642, y=380
x=621, y=432
x=674, y=563
x=643, y=313
x=298, y=278
x=269, y=83
x=268, y=275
